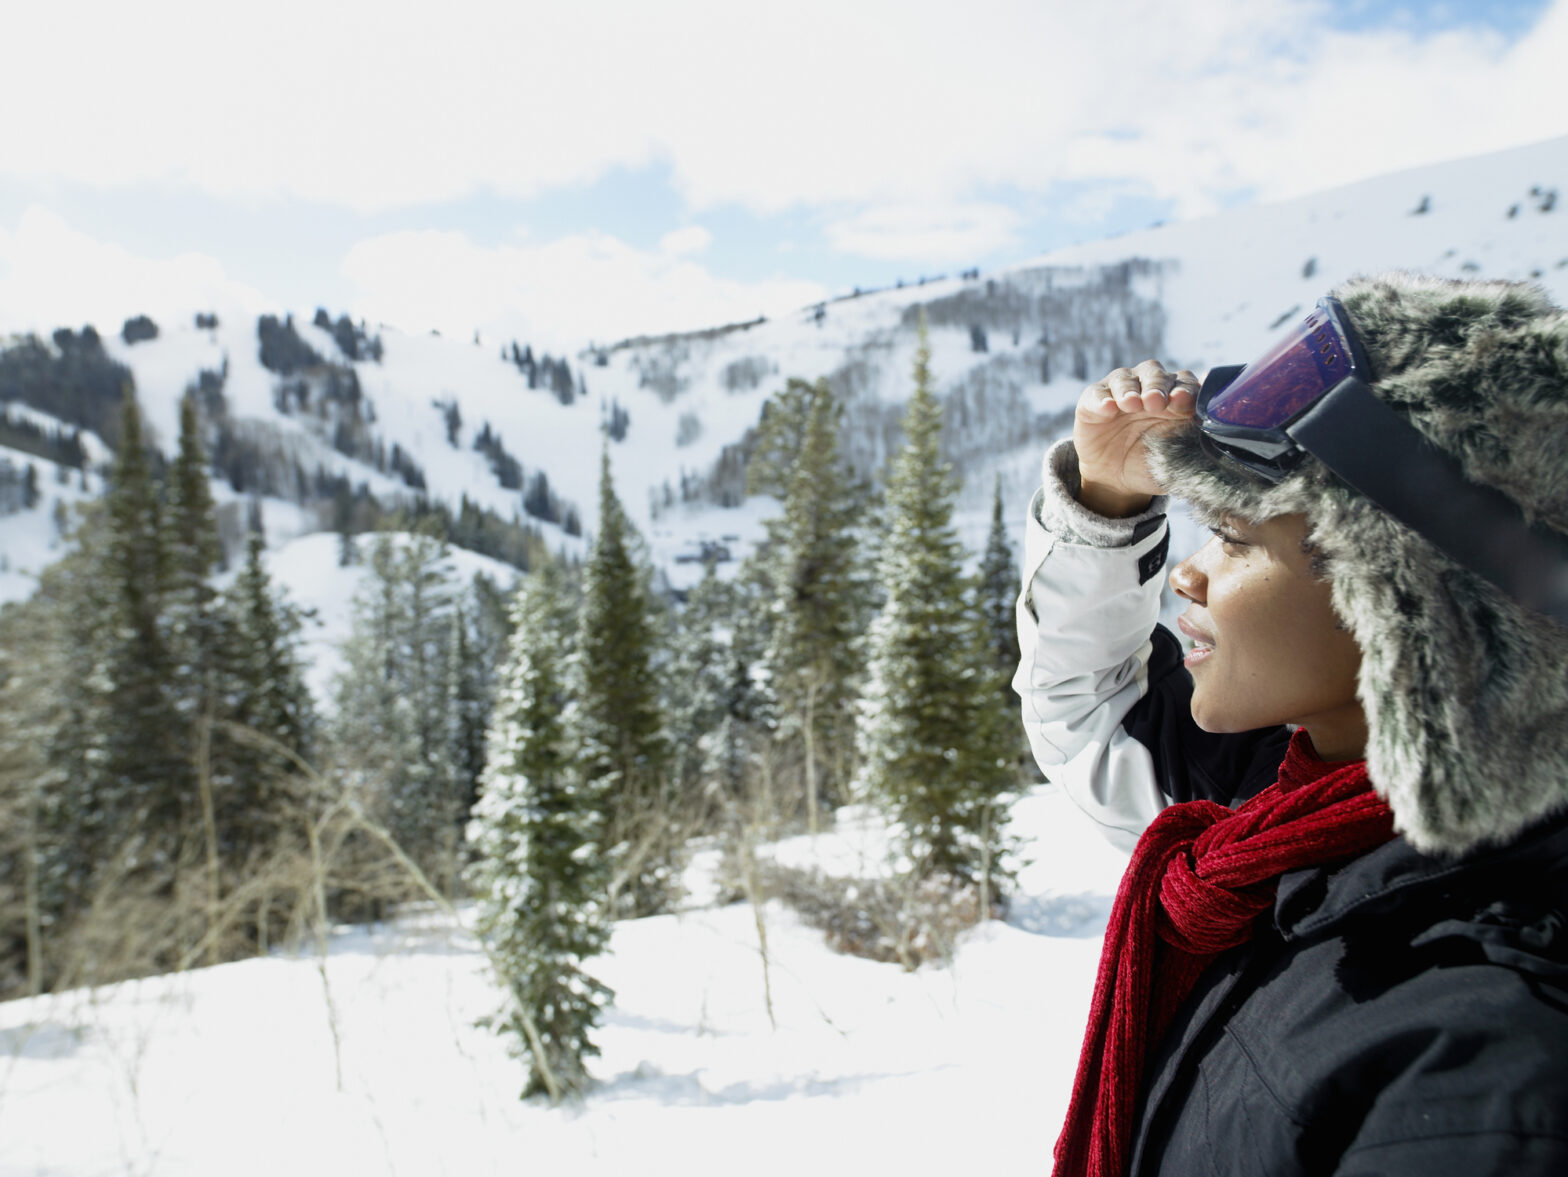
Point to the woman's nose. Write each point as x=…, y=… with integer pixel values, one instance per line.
x=1188, y=580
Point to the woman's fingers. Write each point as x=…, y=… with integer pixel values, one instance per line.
x=1098, y=403
x=1148, y=388
x=1127, y=388
x=1184, y=393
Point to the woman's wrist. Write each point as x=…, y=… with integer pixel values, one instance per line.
x=1111, y=501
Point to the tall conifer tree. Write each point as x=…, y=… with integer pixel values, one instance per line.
x=264, y=691
x=194, y=552
x=39, y=858
x=617, y=724
x=818, y=609
x=393, y=725
x=148, y=773
x=932, y=749
x=541, y=874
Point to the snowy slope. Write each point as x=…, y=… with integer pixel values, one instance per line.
x=1240, y=271
x=233, y=1070
x=1206, y=291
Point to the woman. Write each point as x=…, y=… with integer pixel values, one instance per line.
x=1343, y=949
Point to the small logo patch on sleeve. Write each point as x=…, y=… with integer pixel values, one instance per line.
x=1150, y=563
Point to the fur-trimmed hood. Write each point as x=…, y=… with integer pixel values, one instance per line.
x=1465, y=692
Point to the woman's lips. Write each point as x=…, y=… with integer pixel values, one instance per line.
x=1203, y=643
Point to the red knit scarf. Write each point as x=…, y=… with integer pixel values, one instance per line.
x=1199, y=877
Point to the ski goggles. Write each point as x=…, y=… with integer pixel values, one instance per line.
x=1309, y=394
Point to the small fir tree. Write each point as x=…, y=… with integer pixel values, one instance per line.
x=470, y=707
x=540, y=874
x=998, y=590
x=932, y=749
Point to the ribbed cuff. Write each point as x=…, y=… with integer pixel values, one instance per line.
x=1062, y=514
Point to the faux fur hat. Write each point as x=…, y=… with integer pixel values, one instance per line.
x=1465, y=692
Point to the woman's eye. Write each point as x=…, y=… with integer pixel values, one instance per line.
x=1229, y=538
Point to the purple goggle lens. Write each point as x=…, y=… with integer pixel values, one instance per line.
x=1286, y=379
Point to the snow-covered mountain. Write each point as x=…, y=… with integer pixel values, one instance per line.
x=1011, y=350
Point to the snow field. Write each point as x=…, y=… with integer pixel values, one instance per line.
x=233, y=1070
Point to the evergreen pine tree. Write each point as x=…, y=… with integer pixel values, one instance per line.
x=617, y=725
x=819, y=595
x=470, y=709
x=148, y=774
x=264, y=691
x=194, y=553
x=392, y=731
x=541, y=874
x=713, y=701
x=998, y=590
x=932, y=749
x=428, y=813
x=38, y=858
x=194, y=627
x=84, y=807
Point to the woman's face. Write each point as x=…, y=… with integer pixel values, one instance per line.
x=1268, y=648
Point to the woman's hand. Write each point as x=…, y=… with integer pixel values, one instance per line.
x=1109, y=426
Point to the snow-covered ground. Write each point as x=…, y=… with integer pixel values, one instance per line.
x=233, y=1070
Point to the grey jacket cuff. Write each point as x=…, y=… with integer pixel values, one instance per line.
x=1062, y=514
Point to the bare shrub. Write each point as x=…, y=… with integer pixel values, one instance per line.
x=886, y=920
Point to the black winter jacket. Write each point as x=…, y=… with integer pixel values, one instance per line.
x=1400, y=1014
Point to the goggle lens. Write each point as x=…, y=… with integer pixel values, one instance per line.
x=1286, y=379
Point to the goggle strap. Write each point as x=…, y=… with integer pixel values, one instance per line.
x=1387, y=460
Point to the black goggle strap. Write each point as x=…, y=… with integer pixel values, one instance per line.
x=1386, y=459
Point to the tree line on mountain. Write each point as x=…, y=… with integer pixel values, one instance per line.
x=546, y=371
x=75, y=381
x=53, y=444
x=539, y=500
x=284, y=351
x=352, y=339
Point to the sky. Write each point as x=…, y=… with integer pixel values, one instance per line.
x=573, y=172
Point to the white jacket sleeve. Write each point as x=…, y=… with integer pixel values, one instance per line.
x=1090, y=601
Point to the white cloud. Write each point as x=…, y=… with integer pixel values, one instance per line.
x=941, y=233
x=52, y=275
x=565, y=292
x=373, y=104
x=691, y=239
